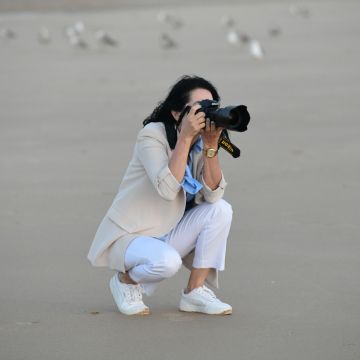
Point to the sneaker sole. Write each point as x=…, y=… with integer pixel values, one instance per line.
x=142, y=312
x=186, y=308
x=225, y=312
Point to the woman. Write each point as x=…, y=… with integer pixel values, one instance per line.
x=169, y=209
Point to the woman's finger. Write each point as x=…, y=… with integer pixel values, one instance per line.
x=208, y=128
x=200, y=115
x=194, y=108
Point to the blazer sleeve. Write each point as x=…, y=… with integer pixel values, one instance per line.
x=151, y=151
x=212, y=196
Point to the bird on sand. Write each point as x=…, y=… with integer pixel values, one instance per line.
x=227, y=21
x=274, y=31
x=236, y=38
x=7, y=33
x=166, y=42
x=299, y=11
x=44, y=36
x=104, y=38
x=77, y=41
x=169, y=19
x=256, y=50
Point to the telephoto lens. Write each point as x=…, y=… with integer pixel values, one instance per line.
x=235, y=118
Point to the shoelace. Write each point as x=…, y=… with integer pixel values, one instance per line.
x=138, y=292
x=133, y=293
x=208, y=293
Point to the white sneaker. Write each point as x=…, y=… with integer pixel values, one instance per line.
x=128, y=297
x=202, y=299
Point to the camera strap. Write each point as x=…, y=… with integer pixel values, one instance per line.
x=182, y=114
x=229, y=147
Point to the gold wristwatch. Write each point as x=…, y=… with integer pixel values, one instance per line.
x=210, y=153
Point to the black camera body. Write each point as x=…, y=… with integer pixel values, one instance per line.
x=235, y=118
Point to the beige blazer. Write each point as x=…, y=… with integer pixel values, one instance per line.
x=150, y=201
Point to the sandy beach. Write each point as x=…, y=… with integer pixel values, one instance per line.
x=69, y=118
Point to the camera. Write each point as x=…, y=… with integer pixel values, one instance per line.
x=235, y=118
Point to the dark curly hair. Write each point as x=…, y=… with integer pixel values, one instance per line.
x=176, y=100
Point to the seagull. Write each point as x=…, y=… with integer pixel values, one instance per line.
x=235, y=38
x=164, y=17
x=274, y=31
x=75, y=29
x=72, y=34
x=166, y=42
x=79, y=26
x=299, y=10
x=69, y=32
x=105, y=38
x=78, y=42
x=227, y=21
x=7, y=33
x=244, y=38
x=44, y=36
x=256, y=49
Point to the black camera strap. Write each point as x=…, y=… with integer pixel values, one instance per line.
x=182, y=114
x=229, y=147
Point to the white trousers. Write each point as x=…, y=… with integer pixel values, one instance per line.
x=205, y=227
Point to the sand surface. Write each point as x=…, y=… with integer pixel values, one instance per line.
x=69, y=118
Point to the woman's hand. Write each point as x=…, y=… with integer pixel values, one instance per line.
x=192, y=124
x=211, y=134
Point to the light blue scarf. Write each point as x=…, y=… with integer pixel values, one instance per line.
x=189, y=184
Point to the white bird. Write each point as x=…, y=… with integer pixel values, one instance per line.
x=7, y=33
x=256, y=50
x=166, y=42
x=74, y=30
x=104, y=38
x=233, y=37
x=44, y=36
x=72, y=33
x=163, y=16
x=79, y=26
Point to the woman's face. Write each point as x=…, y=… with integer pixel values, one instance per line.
x=195, y=96
x=198, y=95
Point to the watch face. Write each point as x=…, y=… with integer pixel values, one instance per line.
x=211, y=152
